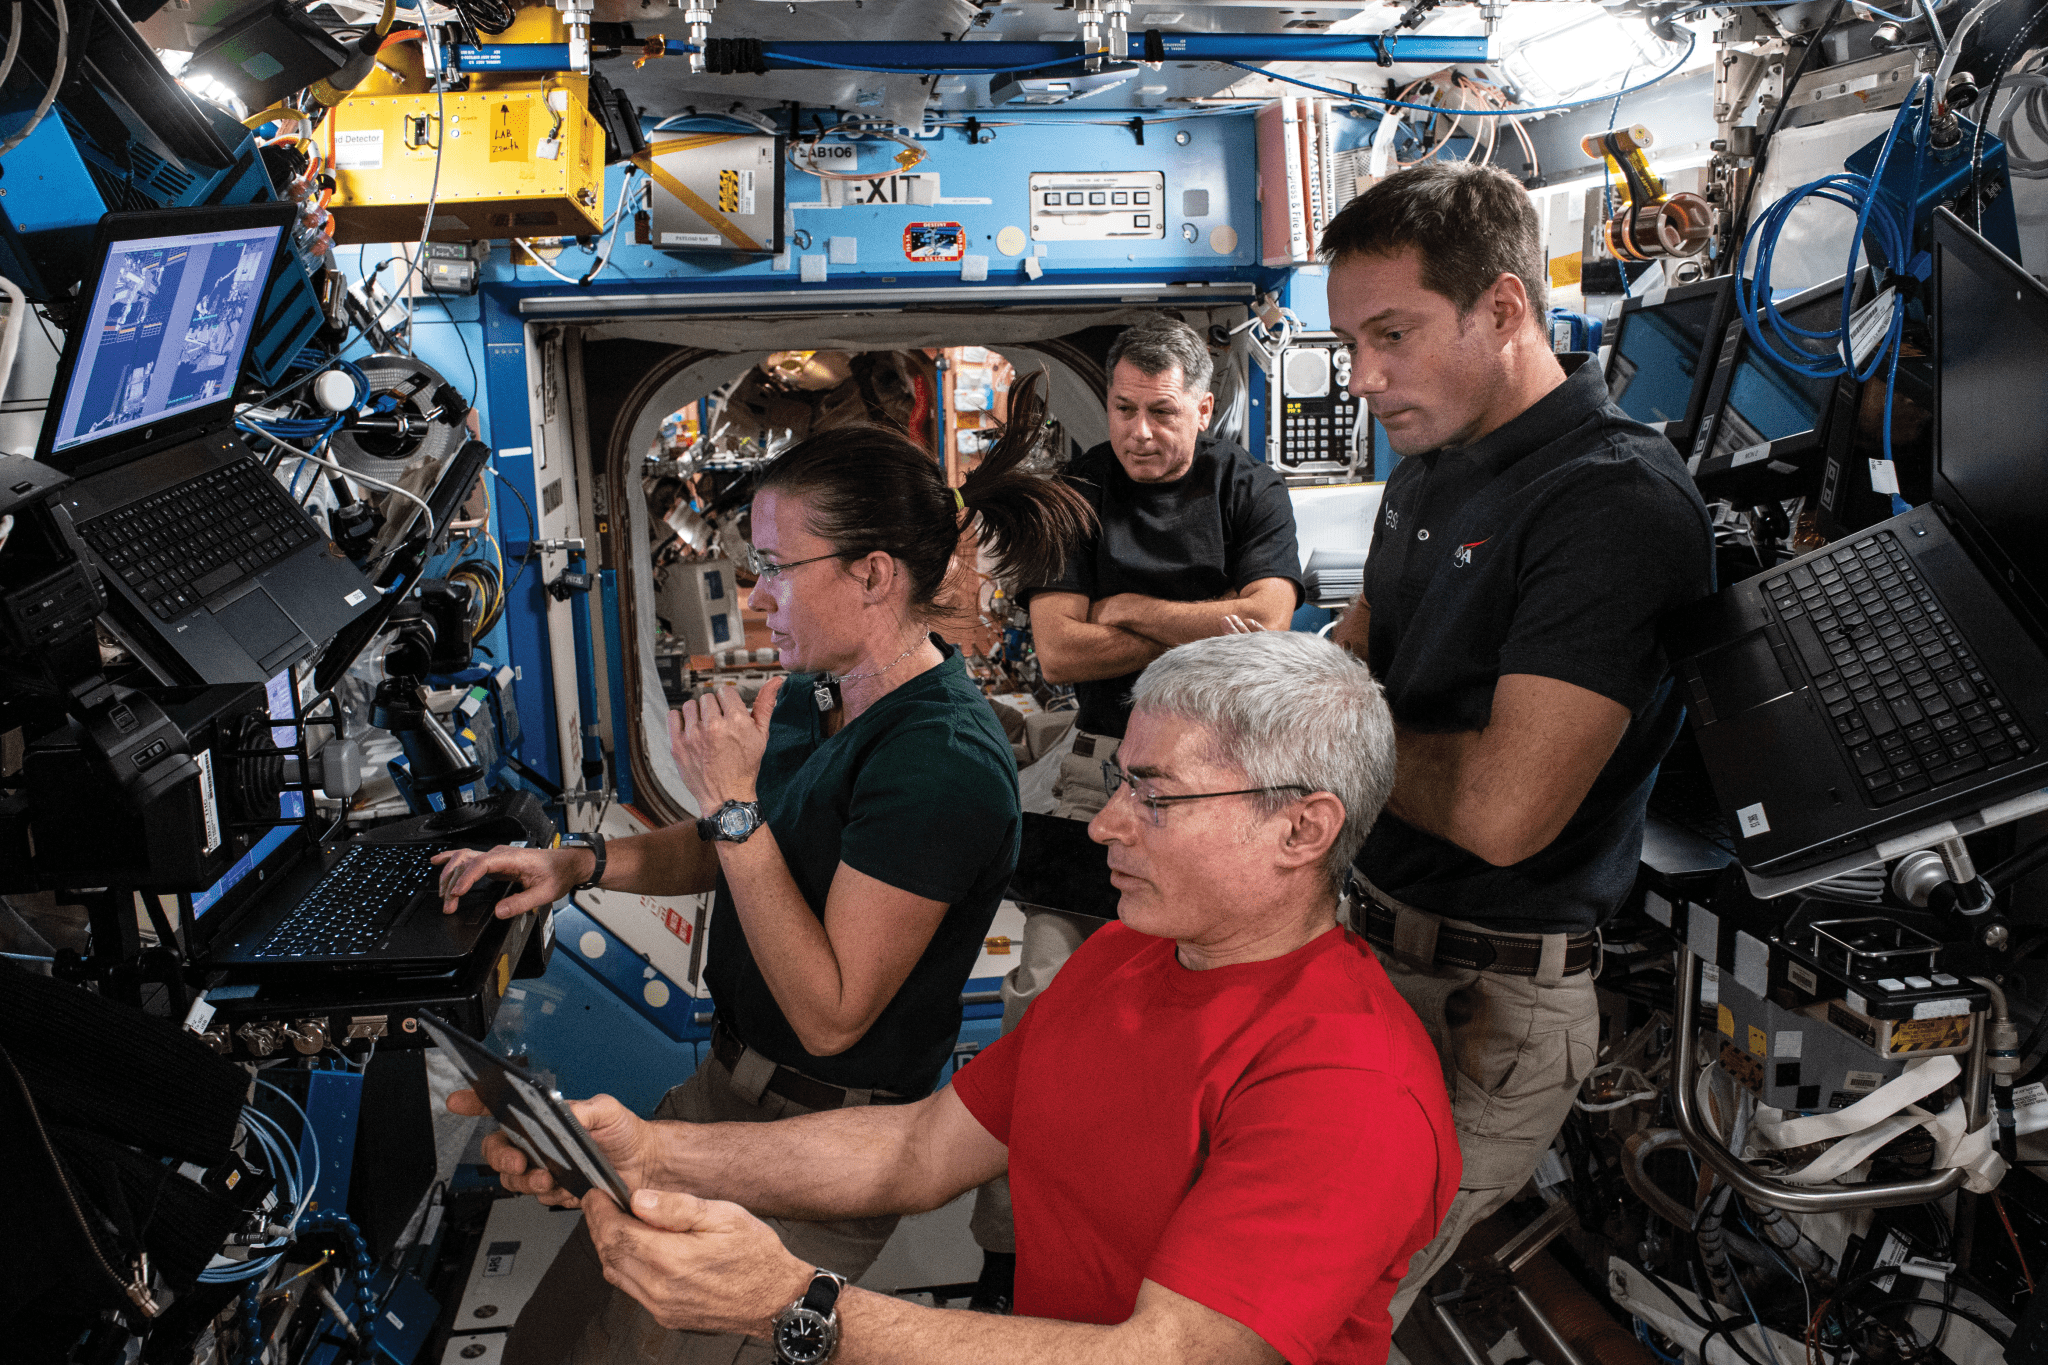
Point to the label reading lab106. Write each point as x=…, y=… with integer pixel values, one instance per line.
x=1098, y=206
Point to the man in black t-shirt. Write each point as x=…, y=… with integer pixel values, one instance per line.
x=1528, y=544
x=1194, y=538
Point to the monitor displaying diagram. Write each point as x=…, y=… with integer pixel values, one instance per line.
x=170, y=320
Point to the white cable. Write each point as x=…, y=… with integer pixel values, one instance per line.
x=56, y=77
x=618, y=216
x=373, y=481
x=528, y=248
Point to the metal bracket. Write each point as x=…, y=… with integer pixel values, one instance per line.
x=1764, y=1190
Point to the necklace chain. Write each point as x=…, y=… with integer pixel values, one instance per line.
x=878, y=672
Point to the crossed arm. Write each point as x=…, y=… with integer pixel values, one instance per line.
x=1504, y=792
x=701, y=1261
x=1079, y=640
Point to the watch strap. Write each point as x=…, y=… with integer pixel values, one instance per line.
x=823, y=1294
x=595, y=843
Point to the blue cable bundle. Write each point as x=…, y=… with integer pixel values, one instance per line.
x=1889, y=232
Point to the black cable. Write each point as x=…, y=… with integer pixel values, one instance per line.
x=1763, y=144
x=2006, y=61
x=2021, y=863
x=532, y=529
x=126, y=1290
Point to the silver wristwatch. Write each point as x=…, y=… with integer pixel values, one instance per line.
x=807, y=1332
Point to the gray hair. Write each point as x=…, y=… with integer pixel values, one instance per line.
x=1286, y=708
x=1160, y=343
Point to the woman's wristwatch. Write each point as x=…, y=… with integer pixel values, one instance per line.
x=595, y=843
x=807, y=1332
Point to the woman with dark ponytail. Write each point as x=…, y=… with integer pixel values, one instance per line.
x=861, y=824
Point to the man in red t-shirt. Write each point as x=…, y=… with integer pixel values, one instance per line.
x=1224, y=1144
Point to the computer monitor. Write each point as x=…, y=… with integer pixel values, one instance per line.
x=1663, y=356
x=158, y=347
x=1991, y=423
x=1763, y=428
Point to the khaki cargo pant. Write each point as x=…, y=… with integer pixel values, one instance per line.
x=1050, y=938
x=1514, y=1049
x=575, y=1316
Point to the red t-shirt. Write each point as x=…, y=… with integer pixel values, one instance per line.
x=1271, y=1140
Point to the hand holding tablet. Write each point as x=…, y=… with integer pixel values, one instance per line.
x=538, y=1122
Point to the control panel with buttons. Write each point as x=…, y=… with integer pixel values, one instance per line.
x=1315, y=434
x=1098, y=206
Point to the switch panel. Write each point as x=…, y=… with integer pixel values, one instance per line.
x=1098, y=206
x=1316, y=440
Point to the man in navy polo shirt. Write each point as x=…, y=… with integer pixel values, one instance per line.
x=1530, y=541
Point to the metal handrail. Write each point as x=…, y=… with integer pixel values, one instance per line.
x=1797, y=1198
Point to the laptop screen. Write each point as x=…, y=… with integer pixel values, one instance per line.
x=158, y=347
x=290, y=805
x=1767, y=403
x=1657, y=361
x=1991, y=457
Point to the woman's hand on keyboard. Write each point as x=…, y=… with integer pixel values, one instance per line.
x=545, y=875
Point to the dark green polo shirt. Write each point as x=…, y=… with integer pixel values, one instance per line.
x=920, y=792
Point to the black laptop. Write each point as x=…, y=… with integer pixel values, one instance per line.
x=1663, y=359
x=1884, y=691
x=294, y=902
x=214, y=574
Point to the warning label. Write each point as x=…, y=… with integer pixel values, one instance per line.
x=1930, y=1035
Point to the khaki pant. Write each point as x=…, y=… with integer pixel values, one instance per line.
x=1514, y=1049
x=1050, y=938
x=574, y=1315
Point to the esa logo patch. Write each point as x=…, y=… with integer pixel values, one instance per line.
x=1393, y=519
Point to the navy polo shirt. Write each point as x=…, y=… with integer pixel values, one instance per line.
x=1553, y=546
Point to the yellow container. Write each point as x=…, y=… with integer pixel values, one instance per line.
x=520, y=156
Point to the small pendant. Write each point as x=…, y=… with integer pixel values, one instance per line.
x=825, y=694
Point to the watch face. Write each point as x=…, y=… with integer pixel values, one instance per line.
x=804, y=1336
x=735, y=822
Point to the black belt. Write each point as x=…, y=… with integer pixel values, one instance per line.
x=791, y=1085
x=1510, y=956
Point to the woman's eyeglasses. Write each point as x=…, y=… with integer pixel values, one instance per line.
x=760, y=566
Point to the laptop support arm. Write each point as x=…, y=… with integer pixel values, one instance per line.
x=1763, y=1189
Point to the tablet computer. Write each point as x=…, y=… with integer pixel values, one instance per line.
x=536, y=1120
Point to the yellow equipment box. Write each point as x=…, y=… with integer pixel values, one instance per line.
x=524, y=162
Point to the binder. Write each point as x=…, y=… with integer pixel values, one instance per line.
x=1283, y=196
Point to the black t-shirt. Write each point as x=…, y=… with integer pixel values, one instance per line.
x=919, y=791
x=1224, y=524
x=1553, y=547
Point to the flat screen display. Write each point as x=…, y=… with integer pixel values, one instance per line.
x=169, y=323
x=1656, y=360
x=1767, y=402
x=1992, y=455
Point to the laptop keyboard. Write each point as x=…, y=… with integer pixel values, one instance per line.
x=350, y=909
x=179, y=547
x=1911, y=706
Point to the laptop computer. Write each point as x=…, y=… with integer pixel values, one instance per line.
x=213, y=573
x=1662, y=361
x=1882, y=691
x=294, y=902
x=1763, y=428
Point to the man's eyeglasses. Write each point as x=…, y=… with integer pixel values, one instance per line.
x=1114, y=777
x=760, y=566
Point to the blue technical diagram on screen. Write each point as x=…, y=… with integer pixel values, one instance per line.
x=168, y=326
